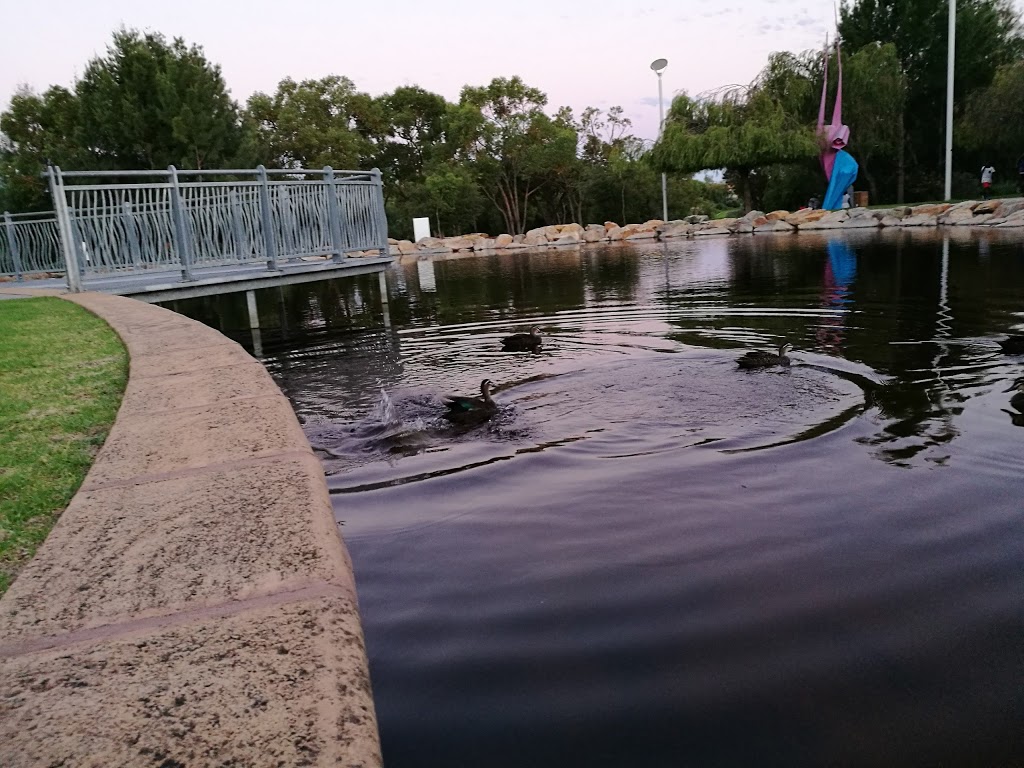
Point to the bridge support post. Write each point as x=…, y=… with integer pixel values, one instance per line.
x=181, y=240
x=254, y=317
x=384, y=298
x=267, y=220
x=67, y=241
x=333, y=213
x=12, y=245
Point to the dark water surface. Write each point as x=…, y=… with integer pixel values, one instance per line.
x=653, y=558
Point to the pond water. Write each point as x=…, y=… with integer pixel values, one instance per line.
x=651, y=557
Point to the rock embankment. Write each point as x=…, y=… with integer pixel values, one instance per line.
x=988, y=213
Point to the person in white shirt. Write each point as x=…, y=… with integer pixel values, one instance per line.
x=986, y=180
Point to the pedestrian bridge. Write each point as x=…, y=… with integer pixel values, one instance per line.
x=165, y=235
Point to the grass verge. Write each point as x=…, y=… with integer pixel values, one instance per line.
x=62, y=375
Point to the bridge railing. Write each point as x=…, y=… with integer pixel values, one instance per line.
x=30, y=244
x=133, y=221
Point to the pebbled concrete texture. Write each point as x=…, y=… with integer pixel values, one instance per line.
x=195, y=604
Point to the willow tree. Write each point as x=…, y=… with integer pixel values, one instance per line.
x=740, y=130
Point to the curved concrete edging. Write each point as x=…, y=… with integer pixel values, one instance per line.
x=194, y=604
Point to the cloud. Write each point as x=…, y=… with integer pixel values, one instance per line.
x=649, y=101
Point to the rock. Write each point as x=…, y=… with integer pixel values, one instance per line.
x=711, y=231
x=615, y=233
x=392, y=241
x=860, y=213
x=751, y=215
x=696, y=219
x=483, y=244
x=650, y=225
x=1010, y=207
x=931, y=209
x=406, y=246
x=595, y=228
x=776, y=215
x=956, y=215
x=534, y=238
x=674, y=229
x=831, y=220
x=459, y=243
x=740, y=227
x=518, y=238
x=502, y=241
x=860, y=222
x=642, y=234
x=727, y=223
x=889, y=221
x=393, y=250
x=760, y=221
x=514, y=246
x=429, y=242
x=919, y=220
x=610, y=225
x=567, y=228
x=775, y=225
x=538, y=232
x=797, y=218
x=987, y=206
x=594, y=236
x=975, y=220
x=569, y=238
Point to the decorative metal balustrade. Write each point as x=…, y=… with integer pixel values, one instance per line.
x=30, y=244
x=109, y=223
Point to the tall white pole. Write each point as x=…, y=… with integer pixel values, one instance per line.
x=950, y=55
x=661, y=127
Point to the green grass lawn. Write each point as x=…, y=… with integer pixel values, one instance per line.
x=62, y=374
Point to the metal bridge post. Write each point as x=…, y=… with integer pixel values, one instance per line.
x=178, y=214
x=333, y=213
x=12, y=245
x=72, y=273
x=267, y=218
x=132, y=232
x=382, y=216
x=241, y=251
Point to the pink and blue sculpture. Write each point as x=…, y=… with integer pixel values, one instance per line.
x=839, y=166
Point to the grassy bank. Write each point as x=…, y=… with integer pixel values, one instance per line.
x=62, y=375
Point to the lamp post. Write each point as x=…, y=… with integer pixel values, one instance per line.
x=658, y=65
x=950, y=55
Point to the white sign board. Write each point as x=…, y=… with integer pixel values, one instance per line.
x=420, y=228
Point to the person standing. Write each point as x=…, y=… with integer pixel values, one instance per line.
x=986, y=181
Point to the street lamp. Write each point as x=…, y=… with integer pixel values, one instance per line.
x=950, y=56
x=658, y=65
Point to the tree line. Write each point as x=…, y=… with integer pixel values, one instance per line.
x=493, y=161
x=894, y=56
x=496, y=160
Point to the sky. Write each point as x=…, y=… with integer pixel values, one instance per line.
x=579, y=52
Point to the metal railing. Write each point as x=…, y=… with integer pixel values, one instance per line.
x=189, y=219
x=30, y=244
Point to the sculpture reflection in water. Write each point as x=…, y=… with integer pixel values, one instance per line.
x=840, y=271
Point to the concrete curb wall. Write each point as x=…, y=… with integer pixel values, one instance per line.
x=194, y=605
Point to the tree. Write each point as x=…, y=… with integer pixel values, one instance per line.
x=987, y=36
x=149, y=104
x=38, y=129
x=313, y=124
x=1001, y=104
x=740, y=130
x=513, y=145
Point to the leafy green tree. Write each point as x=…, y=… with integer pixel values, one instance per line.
x=987, y=36
x=513, y=145
x=992, y=125
x=313, y=124
x=149, y=104
x=37, y=129
x=741, y=130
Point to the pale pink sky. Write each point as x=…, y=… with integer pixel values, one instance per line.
x=579, y=52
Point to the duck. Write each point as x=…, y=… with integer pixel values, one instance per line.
x=761, y=359
x=1017, y=401
x=1013, y=345
x=470, y=410
x=523, y=342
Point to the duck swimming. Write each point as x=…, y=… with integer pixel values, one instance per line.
x=522, y=342
x=471, y=410
x=761, y=359
x=1013, y=345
